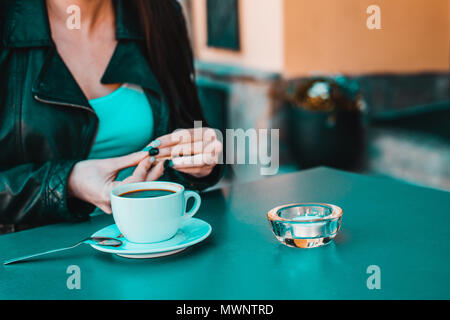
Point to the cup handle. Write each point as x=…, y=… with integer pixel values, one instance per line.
x=195, y=207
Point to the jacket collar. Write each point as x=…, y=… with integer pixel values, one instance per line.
x=26, y=23
x=26, y=26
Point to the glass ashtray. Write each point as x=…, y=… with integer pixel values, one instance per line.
x=305, y=225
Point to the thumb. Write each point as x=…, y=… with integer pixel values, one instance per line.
x=129, y=160
x=140, y=172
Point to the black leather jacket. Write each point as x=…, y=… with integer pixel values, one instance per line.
x=46, y=122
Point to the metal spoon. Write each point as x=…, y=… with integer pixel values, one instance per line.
x=100, y=241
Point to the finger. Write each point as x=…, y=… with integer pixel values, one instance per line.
x=198, y=171
x=141, y=171
x=181, y=149
x=105, y=205
x=195, y=161
x=106, y=209
x=186, y=136
x=156, y=172
x=104, y=202
x=185, y=149
x=172, y=139
x=130, y=160
x=192, y=170
x=214, y=147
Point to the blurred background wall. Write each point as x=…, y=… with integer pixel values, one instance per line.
x=247, y=50
x=332, y=36
x=298, y=37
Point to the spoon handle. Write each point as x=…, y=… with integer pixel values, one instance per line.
x=11, y=261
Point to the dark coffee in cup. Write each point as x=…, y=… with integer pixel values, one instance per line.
x=149, y=193
x=152, y=211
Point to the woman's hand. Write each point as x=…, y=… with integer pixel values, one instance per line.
x=93, y=180
x=192, y=151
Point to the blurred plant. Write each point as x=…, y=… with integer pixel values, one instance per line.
x=322, y=94
x=323, y=121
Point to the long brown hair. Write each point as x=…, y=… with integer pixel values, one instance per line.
x=170, y=56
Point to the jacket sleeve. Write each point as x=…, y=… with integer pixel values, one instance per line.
x=37, y=194
x=34, y=193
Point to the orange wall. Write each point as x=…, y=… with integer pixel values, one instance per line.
x=300, y=37
x=332, y=36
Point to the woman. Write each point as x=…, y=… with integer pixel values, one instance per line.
x=78, y=106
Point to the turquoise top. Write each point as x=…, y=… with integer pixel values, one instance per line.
x=125, y=122
x=125, y=125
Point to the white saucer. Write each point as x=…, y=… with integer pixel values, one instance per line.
x=193, y=231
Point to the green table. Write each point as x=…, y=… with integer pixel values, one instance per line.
x=402, y=229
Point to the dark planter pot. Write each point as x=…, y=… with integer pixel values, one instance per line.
x=335, y=139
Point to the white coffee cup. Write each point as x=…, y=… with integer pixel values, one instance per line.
x=152, y=219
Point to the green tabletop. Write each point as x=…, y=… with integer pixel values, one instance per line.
x=402, y=229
